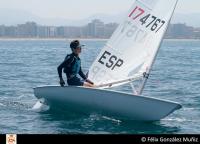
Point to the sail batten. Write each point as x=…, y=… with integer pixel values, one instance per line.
x=133, y=47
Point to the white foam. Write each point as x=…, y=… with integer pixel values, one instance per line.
x=111, y=119
x=40, y=106
x=2, y=104
x=175, y=119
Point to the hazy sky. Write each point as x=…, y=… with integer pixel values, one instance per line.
x=78, y=9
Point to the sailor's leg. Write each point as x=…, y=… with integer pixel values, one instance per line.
x=77, y=82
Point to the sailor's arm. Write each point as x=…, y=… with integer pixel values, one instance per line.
x=59, y=69
x=82, y=74
x=63, y=65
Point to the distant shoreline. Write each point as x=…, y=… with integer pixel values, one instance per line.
x=82, y=39
x=53, y=39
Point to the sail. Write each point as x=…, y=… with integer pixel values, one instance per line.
x=133, y=46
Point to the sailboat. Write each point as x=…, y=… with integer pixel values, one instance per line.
x=127, y=58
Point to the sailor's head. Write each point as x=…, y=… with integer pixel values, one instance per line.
x=76, y=46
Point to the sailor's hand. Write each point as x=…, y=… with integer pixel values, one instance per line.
x=87, y=80
x=62, y=82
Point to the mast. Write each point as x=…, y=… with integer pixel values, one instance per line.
x=147, y=73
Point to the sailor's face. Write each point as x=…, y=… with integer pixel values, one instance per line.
x=77, y=50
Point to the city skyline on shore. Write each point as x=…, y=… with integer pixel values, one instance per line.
x=95, y=29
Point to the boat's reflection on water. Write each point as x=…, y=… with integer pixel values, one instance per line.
x=69, y=122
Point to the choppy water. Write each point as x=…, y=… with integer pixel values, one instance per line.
x=27, y=64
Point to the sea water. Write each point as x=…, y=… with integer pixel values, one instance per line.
x=25, y=64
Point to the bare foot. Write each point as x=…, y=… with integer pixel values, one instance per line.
x=86, y=84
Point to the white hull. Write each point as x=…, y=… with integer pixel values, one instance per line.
x=110, y=103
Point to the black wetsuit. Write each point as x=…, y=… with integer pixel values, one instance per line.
x=72, y=67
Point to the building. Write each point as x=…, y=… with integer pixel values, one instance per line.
x=28, y=29
x=196, y=33
x=2, y=30
x=180, y=31
x=94, y=29
x=109, y=29
x=72, y=32
x=60, y=32
x=10, y=31
x=42, y=32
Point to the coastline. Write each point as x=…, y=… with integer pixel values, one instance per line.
x=82, y=39
x=51, y=39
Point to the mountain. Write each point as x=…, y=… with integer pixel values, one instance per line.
x=14, y=17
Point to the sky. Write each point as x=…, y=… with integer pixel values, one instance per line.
x=79, y=9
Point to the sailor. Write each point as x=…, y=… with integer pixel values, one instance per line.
x=72, y=67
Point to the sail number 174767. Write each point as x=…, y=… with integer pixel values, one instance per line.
x=150, y=21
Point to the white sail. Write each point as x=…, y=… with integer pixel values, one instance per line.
x=132, y=48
